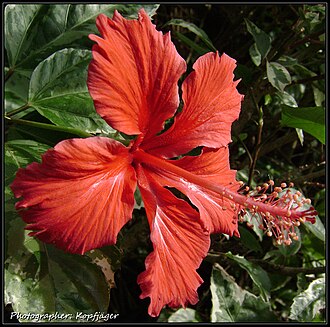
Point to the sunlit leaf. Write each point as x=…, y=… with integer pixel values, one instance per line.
x=257, y=274
x=33, y=32
x=308, y=303
x=278, y=75
x=309, y=119
x=184, y=315
x=58, y=90
x=230, y=303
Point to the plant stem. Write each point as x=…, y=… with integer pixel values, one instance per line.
x=288, y=271
x=258, y=144
x=74, y=131
x=9, y=73
x=310, y=79
x=18, y=110
x=271, y=267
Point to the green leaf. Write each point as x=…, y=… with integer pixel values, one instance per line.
x=257, y=274
x=28, y=295
x=20, y=29
x=314, y=250
x=191, y=44
x=194, y=29
x=255, y=54
x=79, y=284
x=287, y=61
x=230, y=303
x=307, y=304
x=19, y=153
x=278, y=75
x=287, y=99
x=249, y=240
x=42, y=279
x=310, y=119
x=262, y=40
x=16, y=92
x=45, y=29
x=319, y=96
x=184, y=315
x=58, y=91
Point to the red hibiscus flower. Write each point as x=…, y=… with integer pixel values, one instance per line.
x=82, y=193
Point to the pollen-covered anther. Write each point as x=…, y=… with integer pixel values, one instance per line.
x=307, y=201
x=271, y=182
x=269, y=233
x=275, y=194
x=278, y=242
x=263, y=197
x=287, y=223
x=296, y=223
x=283, y=185
x=287, y=242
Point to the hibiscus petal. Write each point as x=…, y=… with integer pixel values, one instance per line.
x=180, y=244
x=133, y=75
x=211, y=104
x=81, y=194
x=217, y=212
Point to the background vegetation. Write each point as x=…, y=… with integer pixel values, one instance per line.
x=280, y=51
